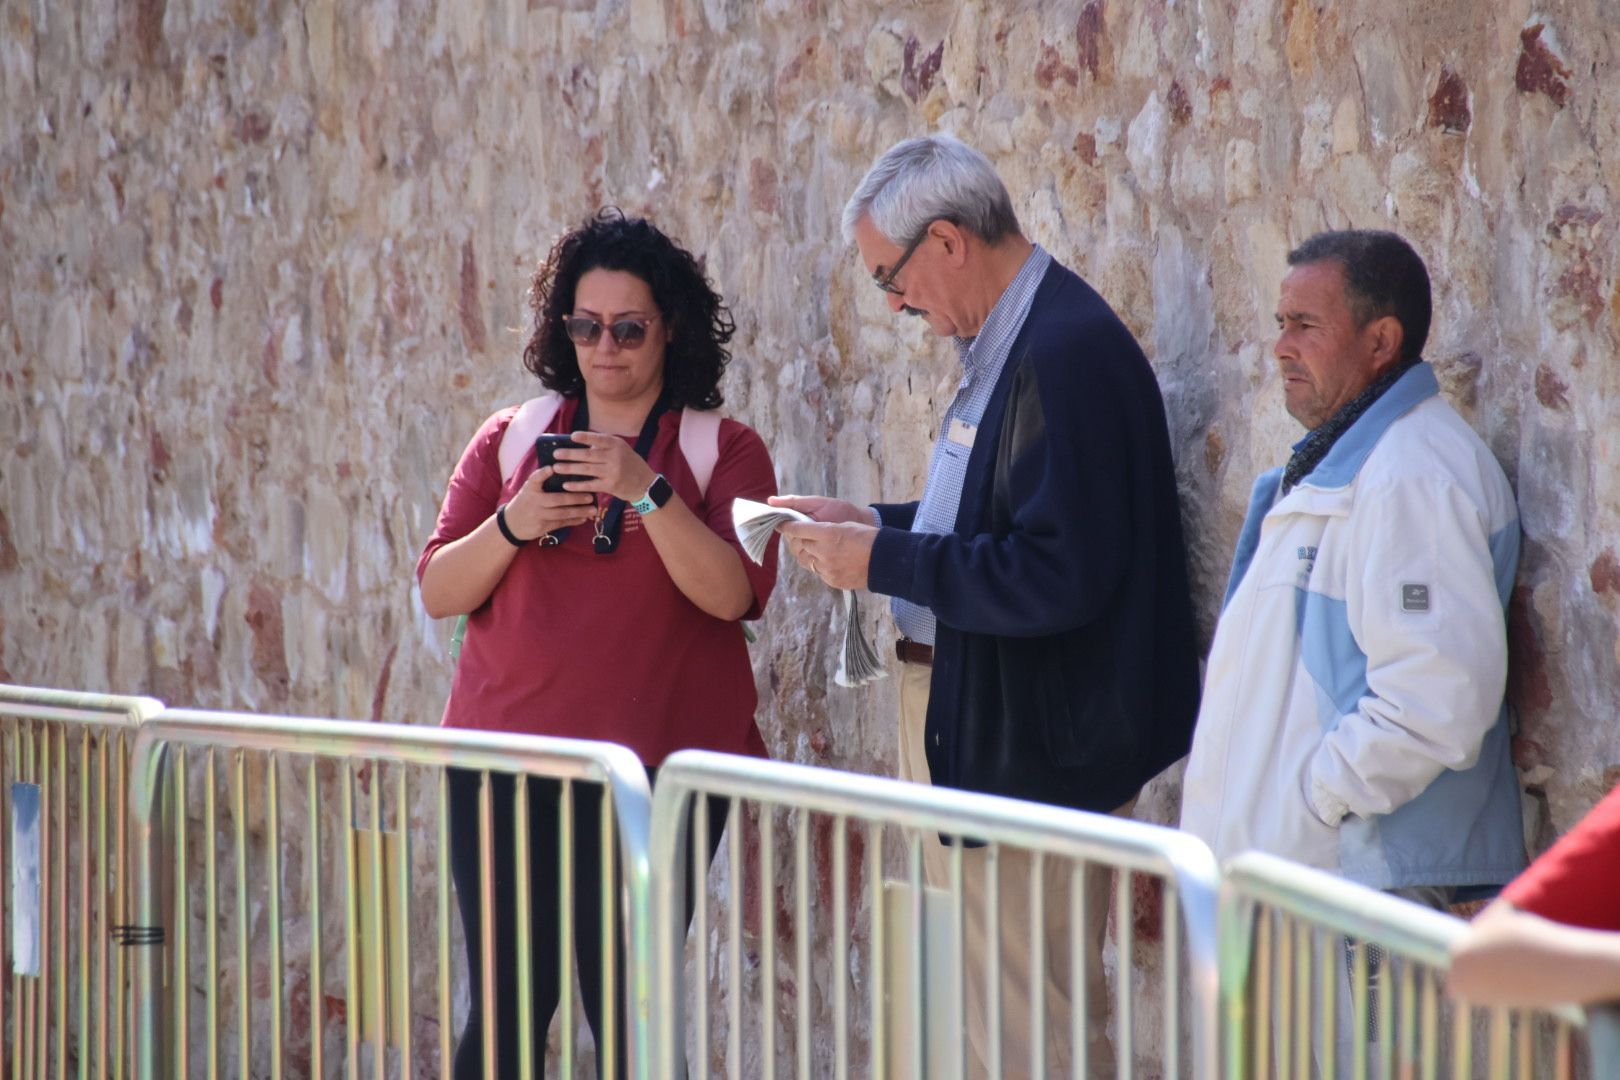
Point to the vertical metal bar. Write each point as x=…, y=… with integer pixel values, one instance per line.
x=1262, y=994
x=379, y=923
x=86, y=913
x=879, y=964
x=1126, y=933
x=1386, y=1015
x=1328, y=947
x=317, y=995
x=1037, y=963
x=840, y=870
x=353, y=1005
x=61, y=906
x=919, y=985
x=1079, y=990
x=181, y=974
x=121, y=995
x=959, y=952
x=1462, y=1048
x=767, y=946
x=1563, y=1050
x=992, y=967
x=1171, y=920
x=608, y=1054
x=272, y=806
x=7, y=768
x=103, y=907
x=1407, y=1036
x=1526, y=1045
x=1285, y=992
x=699, y=837
x=244, y=960
x=445, y=1017
x=28, y=990
x=402, y=968
x=1498, y=1044
x=486, y=918
x=565, y=930
x=1303, y=960
x=41, y=994
x=801, y=915
x=525, y=943
x=9, y=1049
x=37, y=989
x=211, y=915
x=734, y=938
x=1429, y=1014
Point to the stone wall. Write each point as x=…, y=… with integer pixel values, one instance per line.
x=264, y=270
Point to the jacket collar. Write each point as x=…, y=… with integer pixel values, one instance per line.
x=1339, y=468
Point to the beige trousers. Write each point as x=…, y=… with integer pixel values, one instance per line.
x=1014, y=875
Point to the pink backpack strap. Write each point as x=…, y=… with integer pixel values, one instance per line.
x=531, y=421
x=700, y=444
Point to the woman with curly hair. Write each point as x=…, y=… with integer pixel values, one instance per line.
x=609, y=608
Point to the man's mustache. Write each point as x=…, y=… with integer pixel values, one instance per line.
x=909, y=310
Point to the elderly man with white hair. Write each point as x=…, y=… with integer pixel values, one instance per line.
x=1040, y=583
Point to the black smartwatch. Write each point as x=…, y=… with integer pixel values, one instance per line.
x=659, y=492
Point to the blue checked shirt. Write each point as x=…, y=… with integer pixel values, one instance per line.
x=983, y=358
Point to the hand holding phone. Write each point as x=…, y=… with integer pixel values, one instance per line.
x=545, y=448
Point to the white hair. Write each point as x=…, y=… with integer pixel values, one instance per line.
x=926, y=179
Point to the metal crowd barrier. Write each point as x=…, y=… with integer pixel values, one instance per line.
x=284, y=915
x=63, y=836
x=914, y=988
x=1321, y=977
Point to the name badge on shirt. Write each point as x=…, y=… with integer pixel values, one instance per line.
x=961, y=433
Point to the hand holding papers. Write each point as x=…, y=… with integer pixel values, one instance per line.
x=858, y=662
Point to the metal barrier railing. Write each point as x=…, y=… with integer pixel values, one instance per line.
x=383, y=879
x=866, y=823
x=63, y=836
x=1323, y=977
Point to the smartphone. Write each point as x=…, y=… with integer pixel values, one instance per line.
x=546, y=447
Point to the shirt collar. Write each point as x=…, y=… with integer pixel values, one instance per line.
x=1006, y=318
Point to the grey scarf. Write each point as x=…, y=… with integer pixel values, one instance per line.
x=1310, y=451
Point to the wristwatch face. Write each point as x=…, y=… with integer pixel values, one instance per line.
x=658, y=493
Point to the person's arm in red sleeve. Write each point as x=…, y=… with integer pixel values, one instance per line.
x=1554, y=936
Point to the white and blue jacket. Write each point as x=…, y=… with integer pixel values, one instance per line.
x=1353, y=716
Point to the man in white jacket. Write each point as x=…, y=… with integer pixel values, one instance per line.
x=1353, y=716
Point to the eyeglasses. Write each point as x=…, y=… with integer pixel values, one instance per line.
x=626, y=333
x=886, y=281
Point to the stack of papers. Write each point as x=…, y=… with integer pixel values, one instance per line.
x=858, y=662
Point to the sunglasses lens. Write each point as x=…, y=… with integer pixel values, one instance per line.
x=629, y=333
x=582, y=331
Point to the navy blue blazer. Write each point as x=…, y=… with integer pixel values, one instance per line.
x=1065, y=660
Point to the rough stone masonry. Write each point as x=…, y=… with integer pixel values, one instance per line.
x=264, y=270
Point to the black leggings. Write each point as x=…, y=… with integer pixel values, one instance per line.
x=545, y=887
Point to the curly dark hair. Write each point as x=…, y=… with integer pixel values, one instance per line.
x=700, y=324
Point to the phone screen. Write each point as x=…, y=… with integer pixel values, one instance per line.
x=545, y=448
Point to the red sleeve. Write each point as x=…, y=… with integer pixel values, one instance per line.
x=1577, y=880
x=743, y=471
x=475, y=488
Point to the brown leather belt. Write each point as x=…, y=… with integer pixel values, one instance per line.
x=914, y=652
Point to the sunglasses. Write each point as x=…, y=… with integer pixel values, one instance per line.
x=626, y=333
x=886, y=281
